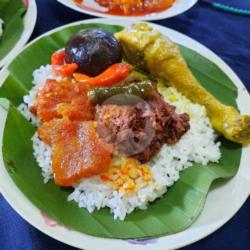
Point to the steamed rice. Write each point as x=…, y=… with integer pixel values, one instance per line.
x=198, y=145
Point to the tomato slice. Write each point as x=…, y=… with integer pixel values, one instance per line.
x=60, y=67
x=113, y=75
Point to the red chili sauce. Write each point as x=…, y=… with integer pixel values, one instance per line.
x=129, y=7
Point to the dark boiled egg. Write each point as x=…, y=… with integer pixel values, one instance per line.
x=94, y=50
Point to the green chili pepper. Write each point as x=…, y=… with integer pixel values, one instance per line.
x=138, y=75
x=140, y=89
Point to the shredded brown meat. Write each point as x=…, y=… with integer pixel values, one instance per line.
x=141, y=130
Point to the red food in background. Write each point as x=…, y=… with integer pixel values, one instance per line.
x=129, y=7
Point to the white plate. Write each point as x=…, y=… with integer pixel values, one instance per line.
x=221, y=204
x=179, y=7
x=29, y=21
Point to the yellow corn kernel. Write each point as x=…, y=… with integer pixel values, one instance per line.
x=127, y=174
x=129, y=186
x=133, y=173
x=125, y=169
x=119, y=181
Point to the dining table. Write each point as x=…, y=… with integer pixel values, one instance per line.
x=225, y=32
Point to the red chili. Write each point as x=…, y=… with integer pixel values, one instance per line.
x=59, y=65
x=114, y=74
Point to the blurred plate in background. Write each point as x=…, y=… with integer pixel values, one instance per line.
x=29, y=21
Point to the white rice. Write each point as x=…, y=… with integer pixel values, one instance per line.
x=196, y=146
x=42, y=153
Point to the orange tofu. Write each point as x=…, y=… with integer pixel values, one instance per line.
x=77, y=150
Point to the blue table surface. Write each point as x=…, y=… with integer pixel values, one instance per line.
x=228, y=35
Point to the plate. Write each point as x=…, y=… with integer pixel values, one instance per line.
x=29, y=21
x=232, y=194
x=179, y=7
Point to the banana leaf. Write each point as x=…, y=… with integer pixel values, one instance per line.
x=11, y=11
x=174, y=212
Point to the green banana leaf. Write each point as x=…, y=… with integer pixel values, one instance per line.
x=11, y=11
x=174, y=212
